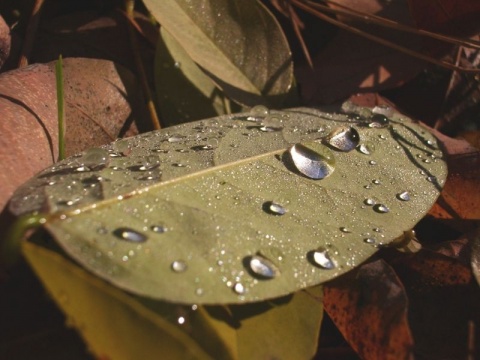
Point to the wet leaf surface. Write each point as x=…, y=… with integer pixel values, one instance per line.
x=216, y=175
x=255, y=69
x=369, y=307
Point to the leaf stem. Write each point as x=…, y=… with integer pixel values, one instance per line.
x=61, y=108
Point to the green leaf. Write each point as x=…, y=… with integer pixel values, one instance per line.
x=184, y=92
x=216, y=211
x=238, y=43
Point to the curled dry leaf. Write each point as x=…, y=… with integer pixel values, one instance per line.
x=369, y=307
x=98, y=94
x=5, y=41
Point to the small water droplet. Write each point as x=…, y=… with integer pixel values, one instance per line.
x=149, y=163
x=238, y=288
x=321, y=258
x=376, y=182
x=274, y=208
x=404, y=196
x=431, y=179
x=181, y=320
x=313, y=160
x=369, y=240
x=369, y=202
x=259, y=110
x=95, y=158
x=122, y=147
x=177, y=64
x=176, y=138
x=179, y=266
x=380, y=208
x=378, y=121
x=199, y=291
x=345, y=230
x=271, y=123
x=159, y=229
x=179, y=165
x=343, y=138
x=128, y=234
x=372, y=162
x=261, y=267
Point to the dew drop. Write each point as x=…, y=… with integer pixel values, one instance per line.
x=321, y=258
x=181, y=320
x=271, y=123
x=259, y=110
x=376, y=182
x=343, y=138
x=404, y=196
x=199, y=291
x=95, y=158
x=369, y=202
x=238, y=288
x=176, y=138
x=380, y=208
x=372, y=162
x=150, y=162
x=313, y=160
x=274, y=208
x=345, y=229
x=159, y=229
x=178, y=266
x=122, y=147
x=261, y=267
x=432, y=179
x=179, y=165
x=369, y=240
x=378, y=121
x=128, y=234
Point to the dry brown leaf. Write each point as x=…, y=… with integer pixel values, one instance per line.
x=98, y=94
x=369, y=307
x=5, y=41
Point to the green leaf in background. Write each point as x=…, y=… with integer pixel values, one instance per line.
x=224, y=211
x=184, y=92
x=238, y=43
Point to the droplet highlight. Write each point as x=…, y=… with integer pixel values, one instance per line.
x=343, y=138
x=321, y=258
x=313, y=160
x=131, y=235
x=404, y=196
x=178, y=266
x=261, y=267
x=380, y=208
x=274, y=208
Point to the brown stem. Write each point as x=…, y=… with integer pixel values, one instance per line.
x=30, y=33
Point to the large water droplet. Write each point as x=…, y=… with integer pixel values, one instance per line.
x=179, y=266
x=95, y=158
x=313, y=160
x=259, y=110
x=271, y=123
x=321, y=258
x=274, y=208
x=122, y=147
x=128, y=234
x=404, y=196
x=380, y=208
x=343, y=138
x=261, y=267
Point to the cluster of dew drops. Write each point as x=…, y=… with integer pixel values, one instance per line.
x=313, y=160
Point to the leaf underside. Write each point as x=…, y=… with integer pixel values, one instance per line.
x=207, y=190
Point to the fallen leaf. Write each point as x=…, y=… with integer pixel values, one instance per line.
x=5, y=41
x=369, y=307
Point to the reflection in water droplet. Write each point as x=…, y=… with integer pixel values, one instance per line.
x=343, y=138
x=95, y=158
x=313, y=160
x=366, y=148
x=274, y=208
x=261, y=267
x=271, y=123
x=321, y=258
x=380, y=208
x=369, y=202
x=378, y=121
x=178, y=266
x=404, y=196
x=128, y=234
x=239, y=288
x=159, y=229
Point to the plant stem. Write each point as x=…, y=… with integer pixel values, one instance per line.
x=61, y=108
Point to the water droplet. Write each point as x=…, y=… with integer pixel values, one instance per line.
x=383, y=110
x=179, y=165
x=181, y=320
x=159, y=229
x=321, y=258
x=177, y=64
x=343, y=138
x=176, y=138
x=366, y=148
x=376, y=182
x=369, y=202
x=122, y=147
x=345, y=230
x=259, y=110
x=432, y=179
x=313, y=160
x=178, y=266
x=239, y=288
x=95, y=158
x=404, y=196
x=128, y=234
x=274, y=208
x=378, y=121
x=380, y=208
x=369, y=240
x=271, y=123
x=149, y=163
x=372, y=162
x=261, y=267
x=199, y=291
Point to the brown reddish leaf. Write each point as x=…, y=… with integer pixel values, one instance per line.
x=443, y=299
x=460, y=198
x=5, y=41
x=350, y=63
x=97, y=94
x=369, y=307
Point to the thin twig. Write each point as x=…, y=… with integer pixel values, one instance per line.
x=129, y=6
x=30, y=33
x=61, y=108
x=380, y=40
